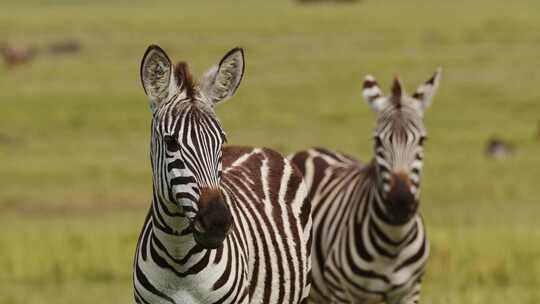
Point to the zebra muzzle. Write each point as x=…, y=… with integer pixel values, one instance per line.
x=213, y=221
x=402, y=203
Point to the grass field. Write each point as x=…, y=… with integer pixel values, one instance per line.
x=74, y=130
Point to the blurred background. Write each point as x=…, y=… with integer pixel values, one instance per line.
x=75, y=178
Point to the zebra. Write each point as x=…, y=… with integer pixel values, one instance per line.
x=369, y=240
x=226, y=224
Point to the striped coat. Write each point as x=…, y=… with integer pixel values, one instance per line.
x=227, y=224
x=357, y=257
x=369, y=240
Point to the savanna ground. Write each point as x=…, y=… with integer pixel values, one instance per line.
x=74, y=129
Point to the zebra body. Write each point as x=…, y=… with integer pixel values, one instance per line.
x=227, y=224
x=369, y=241
x=257, y=259
x=350, y=260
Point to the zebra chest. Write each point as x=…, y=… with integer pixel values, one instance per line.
x=199, y=281
x=372, y=283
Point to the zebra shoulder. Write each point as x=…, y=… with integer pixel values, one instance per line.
x=283, y=180
x=263, y=163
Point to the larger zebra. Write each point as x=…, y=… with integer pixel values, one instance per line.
x=369, y=241
x=227, y=224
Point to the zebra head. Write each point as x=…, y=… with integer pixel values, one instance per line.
x=399, y=139
x=187, y=139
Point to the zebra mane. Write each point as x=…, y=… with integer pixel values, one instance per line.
x=195, y=108
x=184, y=78
x=397, y=92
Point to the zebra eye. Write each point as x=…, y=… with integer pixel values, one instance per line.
x=378, y=141
x=171, y=143
x=422, y=140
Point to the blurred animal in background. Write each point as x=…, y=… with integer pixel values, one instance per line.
x=369, y=240
x=64, y=47
x=15, y=54
x=19, y=54
x=499, y=149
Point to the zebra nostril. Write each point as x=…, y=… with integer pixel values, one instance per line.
x=198, y=226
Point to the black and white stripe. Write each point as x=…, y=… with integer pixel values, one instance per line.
x=369, y=241
x=227, y=224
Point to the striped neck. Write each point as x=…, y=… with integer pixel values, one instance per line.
x=171, y=228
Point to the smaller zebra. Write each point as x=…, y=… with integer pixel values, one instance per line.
x=369, y=240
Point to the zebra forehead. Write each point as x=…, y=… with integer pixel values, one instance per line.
x=400, y=120
x=179, y=107
x=199, y=115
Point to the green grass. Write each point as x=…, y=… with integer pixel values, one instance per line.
x=74, y=130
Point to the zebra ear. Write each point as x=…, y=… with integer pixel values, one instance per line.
x=373, y=94
x=221, y=81
x=156, y=74
x=425, y=92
